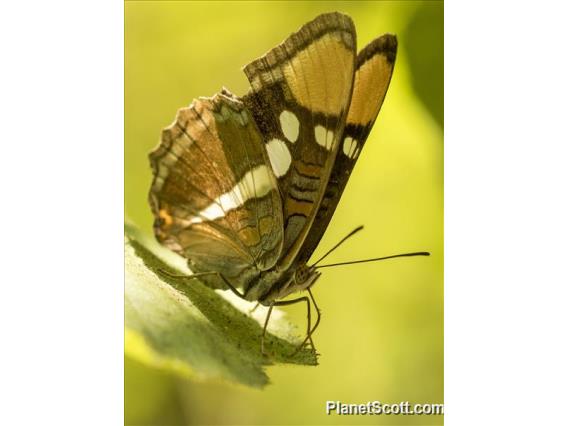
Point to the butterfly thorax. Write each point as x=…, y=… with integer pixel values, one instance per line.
x=281, y=283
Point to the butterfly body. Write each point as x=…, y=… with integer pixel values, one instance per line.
x=245, y=187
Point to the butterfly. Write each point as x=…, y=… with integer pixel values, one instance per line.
x=245, y=187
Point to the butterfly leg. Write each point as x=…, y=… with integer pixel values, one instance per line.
x=298, y=300
x=318, y=311
x=202, y=274
x=254, y=308
x=264, y=328
x=310, y=332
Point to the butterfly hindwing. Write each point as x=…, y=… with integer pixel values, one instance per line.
x=214, y=196
x=375, y=64
x=300, y=96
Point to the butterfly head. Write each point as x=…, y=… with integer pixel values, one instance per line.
x=305, y=276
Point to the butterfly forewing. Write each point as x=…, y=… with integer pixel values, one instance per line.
x=375, y=64
x=300, y=96
x=214, y=195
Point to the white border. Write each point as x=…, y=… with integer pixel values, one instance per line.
x=506, y=212
x=61, y=85
x=61, y=304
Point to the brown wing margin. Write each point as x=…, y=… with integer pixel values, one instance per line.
x=375, y=64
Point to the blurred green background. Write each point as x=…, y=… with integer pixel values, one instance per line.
x=381, y=336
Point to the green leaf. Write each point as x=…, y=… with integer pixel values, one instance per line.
x=183, y=326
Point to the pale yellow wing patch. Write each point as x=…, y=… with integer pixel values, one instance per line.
x=375, y=65
x=369, y=90
x=323, y=85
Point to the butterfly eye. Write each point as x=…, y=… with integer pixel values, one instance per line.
x=301, y=274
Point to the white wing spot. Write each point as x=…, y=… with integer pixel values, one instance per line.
x=329, y=139
x=255, y=183
x=320, y=133
x=356, y=152
x=290, y=125
x=279, y=156
x=350, y=146
x=347, y=142
x=324, y=137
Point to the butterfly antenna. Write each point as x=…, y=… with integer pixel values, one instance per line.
x=419, y=253
x=360, y=227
